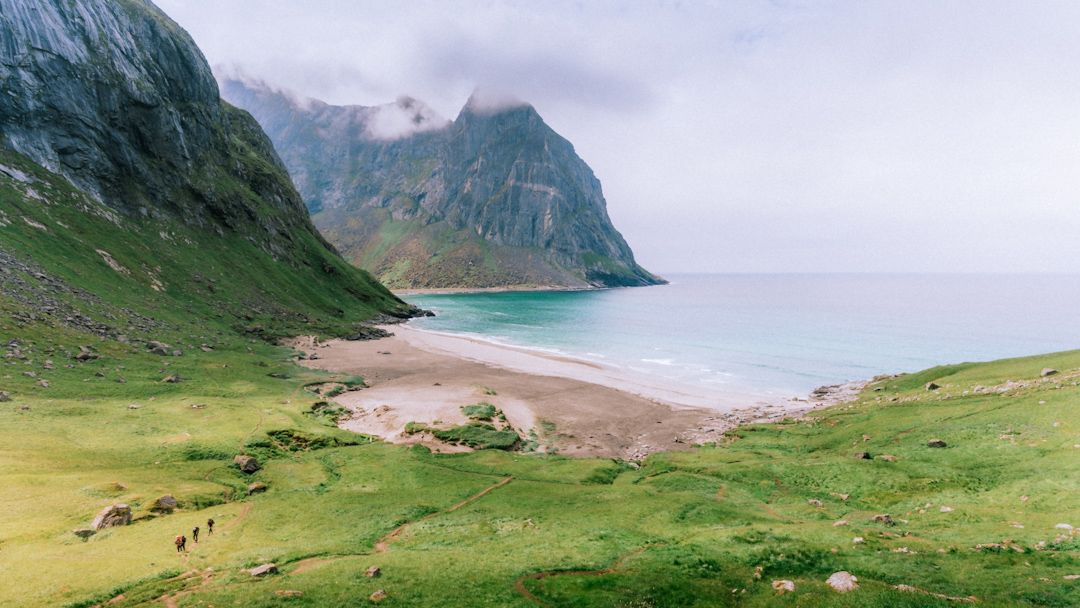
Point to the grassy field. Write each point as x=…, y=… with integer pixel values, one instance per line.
x=711, y=527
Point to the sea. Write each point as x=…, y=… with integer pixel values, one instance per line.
x=777, y=335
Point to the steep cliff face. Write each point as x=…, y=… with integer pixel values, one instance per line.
x=116, y=98
x=495, y=198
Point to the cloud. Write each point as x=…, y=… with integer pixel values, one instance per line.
x=402, y=118
x=739, y=136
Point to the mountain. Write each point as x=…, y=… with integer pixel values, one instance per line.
x=495, y=198
x=124, y=174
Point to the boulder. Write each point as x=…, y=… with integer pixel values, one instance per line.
x=247, y=464
x=173, y=379
x=83, y=532
x=815, y=503
x=936, y=443
x=288, y=593
x=783, y=586
x=372, y=572
x=5, y=396
x=257, y=487
x=86, y=356
x=43, y=383
x=378, y=596
x=842, y=582
x=1048, y=372
x=842, y=522
x=945, y=509
x=113, y=515
x=159, y=348
x=177, y=353
x=883, y=518
x=163, y=504
x=932, y=386
x=887, y=457
x=263, y=570
x=861, y=456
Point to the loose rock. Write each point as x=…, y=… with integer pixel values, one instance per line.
x=378, y=596
x=257, y=488
x=264, y=570
x=83, y=532
x=883, y=518
x=1048, y=372
x=173, y=379
x=288, y=593
x=372, y=572
x=842, y=582
x=861, y=456
x=815, y=503
x=932, y=386
x=111, y=516
x=936, y=443
x=247, y=464
x=163, y=504
x=783, y=586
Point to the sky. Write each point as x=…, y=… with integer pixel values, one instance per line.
x=738, y=136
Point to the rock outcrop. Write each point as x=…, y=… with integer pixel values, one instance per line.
x=114, y=98
x=247, y=464
x=495, y=198
x=112, y=516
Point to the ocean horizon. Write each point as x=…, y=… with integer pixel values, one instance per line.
x=777, y=335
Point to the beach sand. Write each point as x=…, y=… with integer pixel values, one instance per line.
x=577, y=407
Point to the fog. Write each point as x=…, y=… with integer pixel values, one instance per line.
x=738, y=137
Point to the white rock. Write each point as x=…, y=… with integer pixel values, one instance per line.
x=859, y=539
x=782, y=586
x=1063, y=527
x=842, y=582
x=946, y=509
x=842, y=522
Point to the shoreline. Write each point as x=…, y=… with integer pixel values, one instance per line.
x=567, y=406
x=456, y=290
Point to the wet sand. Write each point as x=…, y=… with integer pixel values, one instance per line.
x=579, y=408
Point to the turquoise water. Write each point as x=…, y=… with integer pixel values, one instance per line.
x=779, y=335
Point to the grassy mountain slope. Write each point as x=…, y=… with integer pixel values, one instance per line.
x=155, y=267
x=686, y=529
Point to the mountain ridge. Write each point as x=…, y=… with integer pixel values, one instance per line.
x=115, y=121
x=495, y=198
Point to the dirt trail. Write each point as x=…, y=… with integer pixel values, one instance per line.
x=519, y=585
x=381, y=545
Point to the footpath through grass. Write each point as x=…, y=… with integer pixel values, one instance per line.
x=711, y=527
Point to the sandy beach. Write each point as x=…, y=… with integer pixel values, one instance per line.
x=578, y=408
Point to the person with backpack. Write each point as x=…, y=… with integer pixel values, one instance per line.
x=210, y=526
x=180, y=542
x=195, y=534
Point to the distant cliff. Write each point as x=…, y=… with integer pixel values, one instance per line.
x=115, y=98
x=495, y=198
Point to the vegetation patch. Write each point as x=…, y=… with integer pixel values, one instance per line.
x=480, y=411
x=478, y=435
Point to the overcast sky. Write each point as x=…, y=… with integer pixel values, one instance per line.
x=739, y=136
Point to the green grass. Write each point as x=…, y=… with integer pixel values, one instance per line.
x=685, y=529
x=480, y=411
x=478, y=435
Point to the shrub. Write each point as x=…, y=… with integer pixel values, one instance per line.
x=480, y=411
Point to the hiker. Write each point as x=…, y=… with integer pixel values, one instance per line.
x=180, y=542
x=195, y=534
x=210, y=526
